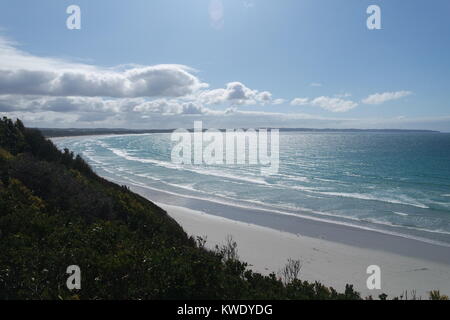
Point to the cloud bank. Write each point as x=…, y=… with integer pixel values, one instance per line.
x=34, y=84
x=152, y=81
x=47, y=91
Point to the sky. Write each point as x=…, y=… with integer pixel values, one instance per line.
x=230, y=63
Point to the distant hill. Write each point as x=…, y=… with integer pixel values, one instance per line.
x=52, y=132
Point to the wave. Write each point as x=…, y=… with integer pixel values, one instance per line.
x=327, y=180
x=262, y=206
x=391, y=224
x=169, y=165
x=124, y=154
x=373, y=198
x=304, y=216
x=233, y=201
x=293, y=177
x=401, y=213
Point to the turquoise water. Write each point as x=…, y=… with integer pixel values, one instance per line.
x=392, y=182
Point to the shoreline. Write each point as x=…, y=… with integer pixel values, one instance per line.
x=333, y=264
x=304, y=226
x=336, y=256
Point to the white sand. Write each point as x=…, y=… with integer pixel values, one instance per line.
x=333, y=264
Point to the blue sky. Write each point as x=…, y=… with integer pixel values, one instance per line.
x=290, y=63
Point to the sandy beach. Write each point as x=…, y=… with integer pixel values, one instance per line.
x=332, y=263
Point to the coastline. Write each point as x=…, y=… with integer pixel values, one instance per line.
x=304, y=226
x=266, y=250
x=332, y=254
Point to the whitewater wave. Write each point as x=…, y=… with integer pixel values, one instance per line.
x=401, y=213
x=293, y=177
x=124, y=154
x=391, y=224
x=314, y=218
x=169, y=165
x=282, y=210
x=373, y=198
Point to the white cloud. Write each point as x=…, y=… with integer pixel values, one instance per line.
x=278, y=101
x=100, y=105
x=236, y=93
x=170, y=107
x=161, y=106
x=334, y=104
x=379, y=98
x=327, y=103
x=152, y=81
x=300, y=101
x=23, y=73
x=15, y=59
x=315, y=84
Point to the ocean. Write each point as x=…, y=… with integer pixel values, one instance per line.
x=396, y=183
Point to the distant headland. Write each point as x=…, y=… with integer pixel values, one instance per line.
x=66, y=132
